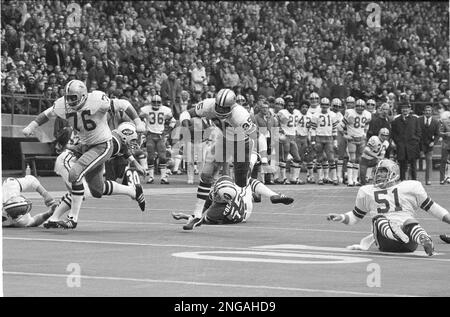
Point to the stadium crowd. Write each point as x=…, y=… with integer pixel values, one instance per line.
x=187, y=51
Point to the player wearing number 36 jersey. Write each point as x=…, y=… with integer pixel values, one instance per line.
x=393, y=206
x=87, y=114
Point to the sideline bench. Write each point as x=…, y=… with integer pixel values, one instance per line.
x=35, y=151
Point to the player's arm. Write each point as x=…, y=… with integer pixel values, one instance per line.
x=313, y=130
x=435, y=209
x=334, y=132
x=40, y=119
x=119, y=105
x=31, y=183
x=39, y=219
x=368, y=149
x=354, y=216
x=136, y=165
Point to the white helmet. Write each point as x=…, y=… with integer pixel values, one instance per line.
x=279, y=101
x=240, y=100
x=225, y=99
x=224, y=189
x=360, y=105
x=325, y=103
x=156, y=102
x=76, y=94
x=386, y=173
x=350, y=102
x=383, y=134
x=17, y=206
x=336, y=103
x=128, y=134
x=314, y=98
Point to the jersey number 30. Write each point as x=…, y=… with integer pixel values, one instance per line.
x=379, y=199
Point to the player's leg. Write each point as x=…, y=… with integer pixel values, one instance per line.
x=109, y=188
x=418, y=235
x=295, y=166
x=161, y=149
x=243, y=160
x=359, y=149
x=342, y=146
x=284, y=151
x=329, y=152
x=351, y=147
x=263, y=190
x=390, y=237
x=320, y=160
x=90, y=161
x=151, y=156
x=363, y=166
x=189, y=158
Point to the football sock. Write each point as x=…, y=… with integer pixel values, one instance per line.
x=190, y=171
x=114, y=188
x=260, y=188
x=163, y=171
x=340, y=164
x=355, y=172
x=176, y=162
x=77, y=200
x=310, y=169
x=333, y=171
x=416, y=233
x=295, y=174
x=64, y=206
x=202, y=195
x=282, y=171
x=350, y=172
x=325, y=170
x=319, y=171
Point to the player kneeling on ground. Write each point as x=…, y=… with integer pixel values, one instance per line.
x=228, y=203
x=393, y=205
x=16, y=208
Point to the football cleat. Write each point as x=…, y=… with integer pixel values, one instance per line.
x=67, y=224
x=178, y=172
x=164, y=181
x=300, y=181
x=51, y=225
x=256, y=198
x=277, y=181
x=140, y=197
x=427, y=244
x=190, y=182
x=320, y=182
x=286, y=182
x=192, y=223
x=281, y=199
x=445, y=238
x=350, y=184
x=310, y=180
x=180, y=216
x=150, y=180
x=335, y=182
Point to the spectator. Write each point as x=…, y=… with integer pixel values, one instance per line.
x=55, y=56
x=266, y=90
x=430, y=135
x=444, y=132
x=198, y=76
x=170, y=90
x=379, y=121
x=406, y=134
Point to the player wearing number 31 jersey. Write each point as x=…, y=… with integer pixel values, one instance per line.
x=393, y=206
x=87, y=114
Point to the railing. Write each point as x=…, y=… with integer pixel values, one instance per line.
x=31, y=104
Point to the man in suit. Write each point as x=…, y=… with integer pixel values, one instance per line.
x=406, y=135
x=444, y=171
x=430, y=134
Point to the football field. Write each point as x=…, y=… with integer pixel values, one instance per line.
x=282, y=251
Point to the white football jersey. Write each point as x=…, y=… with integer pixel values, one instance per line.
x=303, y=125
x=90, y=121
x=157, y=118
x=237, y=126
x=289, y=121
x=398, y=203
x=324, y=124
x=357, y=124
x=339, y=117
x=376, y=146
x=312, y=111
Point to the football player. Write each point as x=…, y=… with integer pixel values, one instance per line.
x=124, y=140
x=314, y=107
x=87, y=114
x=155, y=117
x=338, y=108
x=374, y=151
x=228, y=203
x=289, y=119
x=16, y=208
x=323, y=138
x=236, y=139
x=355, y=125
x=303, y=140
x=394, y=205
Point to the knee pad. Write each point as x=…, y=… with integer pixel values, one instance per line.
x=139, y=154
x=75, y=173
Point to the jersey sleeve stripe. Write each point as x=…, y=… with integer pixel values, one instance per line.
x=359, y=213
x=426, y=205
x=111, y=105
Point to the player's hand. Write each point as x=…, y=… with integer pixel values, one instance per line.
x=28, y=130
x=50, y=202
x=140, y=127
x=335, y=217
x=335, y=144
x=347, y=137
x=139, y=168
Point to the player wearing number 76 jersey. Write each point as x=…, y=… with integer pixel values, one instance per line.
x=393, y=205
x=87, y=114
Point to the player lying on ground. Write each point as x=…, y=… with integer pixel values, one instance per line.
x=393, y=205
x=16, y=208
x=228, y=203
x=124, y=140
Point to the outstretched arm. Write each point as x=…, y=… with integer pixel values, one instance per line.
x=41, y=118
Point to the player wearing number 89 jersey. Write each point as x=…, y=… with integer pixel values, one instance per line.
x=87, y=114
x=156, y=115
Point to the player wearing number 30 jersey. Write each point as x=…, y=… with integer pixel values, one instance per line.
x=87, y=114
x=393, y=206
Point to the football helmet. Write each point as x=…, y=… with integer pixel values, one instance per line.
x=279, y=101
x=240, y=100
x=128, y=134
x=360, y=106
x=324, y=104
x=383, y=134
x=75, y=95
x=290, y=105
x=371, y=104
x=350, y=102
x=386, y=173
x=336, y=104
x=314, y=99
x=17, y=206
x=225, y=100
x=156, y=102
x=224, y=189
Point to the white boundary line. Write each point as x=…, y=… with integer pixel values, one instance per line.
x=225, y=285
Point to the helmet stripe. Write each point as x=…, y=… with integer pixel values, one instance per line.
x=223, y=97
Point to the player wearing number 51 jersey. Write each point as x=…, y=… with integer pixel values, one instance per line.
x=393, y=206
x=87, y=114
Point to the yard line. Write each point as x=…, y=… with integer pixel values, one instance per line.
x=310, y=250
x=224, y=285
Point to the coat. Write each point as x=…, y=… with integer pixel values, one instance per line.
x=429, y=134
x=407, y=136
